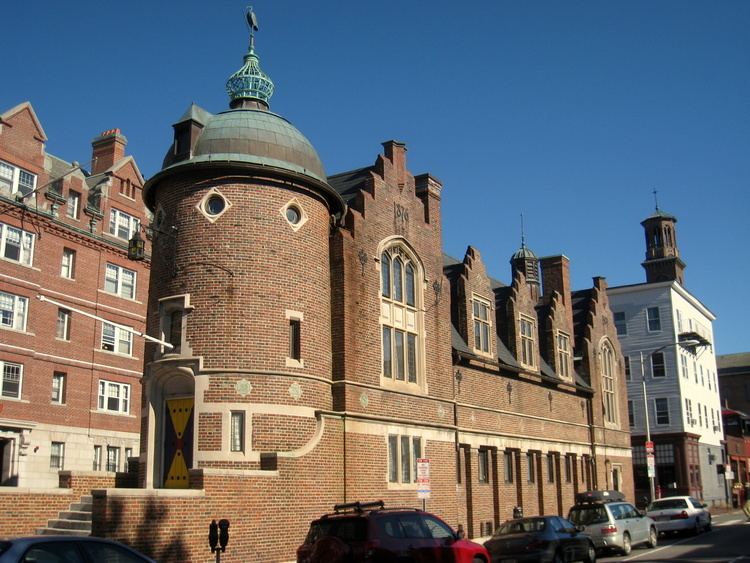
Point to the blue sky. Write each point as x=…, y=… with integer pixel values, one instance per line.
x=568, y=112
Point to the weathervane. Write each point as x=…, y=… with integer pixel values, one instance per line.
x=252, y=24
x=656, y=201
x=523, y=236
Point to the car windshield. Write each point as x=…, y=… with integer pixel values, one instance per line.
x=588, y=514
x=521, y=526
x=667, y=503
x=346, y=529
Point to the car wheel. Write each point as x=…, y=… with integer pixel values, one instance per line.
x=697, y=529
x=626, y=547
x=591, y=554
x=653, y=537
x=709, y=525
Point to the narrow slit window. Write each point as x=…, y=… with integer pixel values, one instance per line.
x=295, y=339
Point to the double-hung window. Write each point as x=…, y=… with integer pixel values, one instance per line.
x=662, y=410
x=113, y=458
x=117, y=339
x=483, y=467
x=563, y=355
x=58, y=388
x=57, y=455
x=122, y=225
x=68, y=264
x=530, y=467
x=403, y=452
x=73, y=205
x=653, y=319
x=482, y=324
x=97, y=462
x=16, y=179
x=114, y=397
x=12, y=376
x=508, y=466
x=527, y=328
x=62, y=330
x=13, y=310
x=657, y=365
x=620, y=324
x=16, y=245
x=120, y=281
x=399, y=316
x=627, y=368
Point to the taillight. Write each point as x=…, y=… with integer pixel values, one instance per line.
x=681, y=516
x=370, y=547
x=609, y=530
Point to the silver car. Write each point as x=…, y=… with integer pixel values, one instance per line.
x=614, y=525
x=683, y=513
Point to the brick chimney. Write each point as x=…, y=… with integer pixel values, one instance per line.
x=108, y=148
x=395, y=151
x=556, y=277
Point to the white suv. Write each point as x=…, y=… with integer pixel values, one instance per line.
x=611, y=522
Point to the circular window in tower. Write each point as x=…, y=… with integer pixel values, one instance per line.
x=215, y=204
x=293, y=214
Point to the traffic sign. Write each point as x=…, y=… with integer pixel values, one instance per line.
x=649, y=447
x=423, y=478
x=651, y=465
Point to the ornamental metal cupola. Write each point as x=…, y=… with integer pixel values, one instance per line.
x=524, y=260
x=250, y=86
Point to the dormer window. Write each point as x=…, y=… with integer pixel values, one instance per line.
x=482, y=325
x=563, y=355
x=527, y=331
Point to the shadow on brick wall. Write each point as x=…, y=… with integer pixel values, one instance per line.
x=143, y=526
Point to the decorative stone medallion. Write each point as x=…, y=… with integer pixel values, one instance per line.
x=364, y=400
x=243, y=387
x=441, y=411
x=295, y=391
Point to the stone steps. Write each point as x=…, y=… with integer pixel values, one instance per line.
x=76, y=521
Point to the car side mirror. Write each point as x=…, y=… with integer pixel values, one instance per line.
x=581, y=528
x=704, y=505
x=641, y=513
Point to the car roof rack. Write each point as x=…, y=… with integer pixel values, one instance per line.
x=358, y=506
x=599, y=497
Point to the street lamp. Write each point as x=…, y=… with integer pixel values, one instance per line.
x=652, y=473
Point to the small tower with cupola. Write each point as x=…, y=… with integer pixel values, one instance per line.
x=663, y=261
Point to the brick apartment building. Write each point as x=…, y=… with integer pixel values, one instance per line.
x=320, y=342
x=70, y=385
x=734, y=386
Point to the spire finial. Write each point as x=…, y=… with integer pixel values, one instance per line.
x=656, y=201
x=250, y=86
x=523, y=235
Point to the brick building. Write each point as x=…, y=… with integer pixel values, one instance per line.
x=70, y=386
x=734, y=386
x=320, y=342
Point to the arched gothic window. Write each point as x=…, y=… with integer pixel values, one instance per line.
x=402, y=332
x=609, y=389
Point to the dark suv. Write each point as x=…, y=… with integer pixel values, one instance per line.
x=368, y=532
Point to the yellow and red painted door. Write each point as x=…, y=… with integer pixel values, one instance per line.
x=178, y=442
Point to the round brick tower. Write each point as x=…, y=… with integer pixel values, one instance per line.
x=240, y=287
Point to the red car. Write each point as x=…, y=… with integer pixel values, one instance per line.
x=370, y=533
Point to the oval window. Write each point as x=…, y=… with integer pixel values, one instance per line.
x=215, y=204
